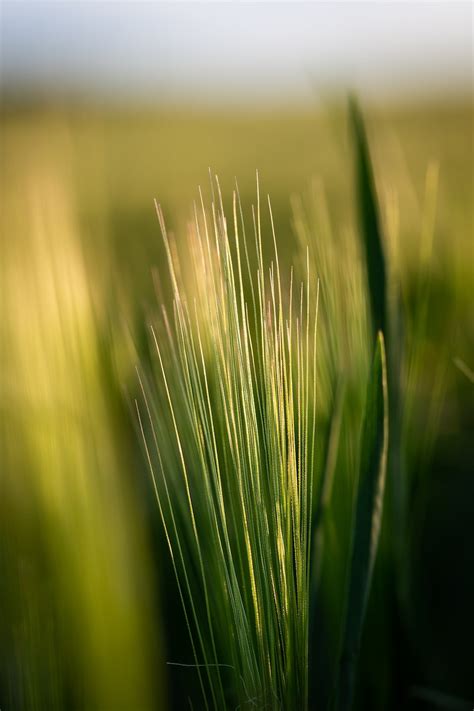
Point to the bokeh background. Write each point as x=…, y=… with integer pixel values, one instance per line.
x=106, y=106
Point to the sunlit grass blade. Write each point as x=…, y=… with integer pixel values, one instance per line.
x=464, y=369
x=367, y=522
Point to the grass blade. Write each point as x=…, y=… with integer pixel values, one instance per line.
x=367, y=522
x=369, y=221
x=327, y=479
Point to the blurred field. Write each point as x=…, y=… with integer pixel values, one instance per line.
x=79, y=241
x=117, y=160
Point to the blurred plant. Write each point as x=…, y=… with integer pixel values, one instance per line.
x=75, y=590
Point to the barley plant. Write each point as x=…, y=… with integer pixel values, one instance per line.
x=258, y=492
x=228, y=419
x=239, y=417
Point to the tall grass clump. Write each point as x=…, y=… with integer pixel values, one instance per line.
x=365, y=289
x=231, y=451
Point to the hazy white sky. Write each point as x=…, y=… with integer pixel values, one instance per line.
x=236, y=49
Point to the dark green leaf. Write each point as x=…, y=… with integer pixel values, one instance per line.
x=369, y=222
x=367, y=522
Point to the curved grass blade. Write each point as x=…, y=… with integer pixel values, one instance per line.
x=369, y=221
x=386, y=316
x=367, y=522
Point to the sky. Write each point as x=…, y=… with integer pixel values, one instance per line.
x=232, y=51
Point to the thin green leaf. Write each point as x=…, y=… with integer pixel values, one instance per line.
x=367, y=522
x=369, y=221
x=327, y=479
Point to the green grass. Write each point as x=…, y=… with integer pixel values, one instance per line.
x=74, y=554
x=367, y=523
x=241, y=413
x=240, y=378
x=243, y=571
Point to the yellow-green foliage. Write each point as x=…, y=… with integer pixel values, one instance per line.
x=231, y=395
x=75, y=564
